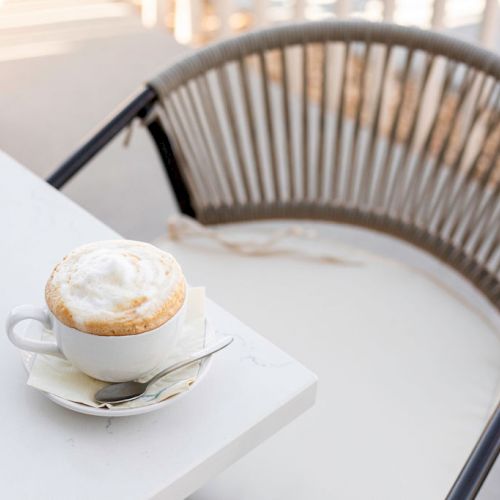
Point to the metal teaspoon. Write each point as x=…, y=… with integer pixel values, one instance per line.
x=128, y=391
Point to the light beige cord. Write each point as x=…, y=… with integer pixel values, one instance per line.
x=181, y=227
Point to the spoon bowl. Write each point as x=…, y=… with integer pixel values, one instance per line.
x=119, y=393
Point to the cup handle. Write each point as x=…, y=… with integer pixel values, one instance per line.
x=21, y=313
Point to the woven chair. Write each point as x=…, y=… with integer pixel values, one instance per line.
x=374, y=125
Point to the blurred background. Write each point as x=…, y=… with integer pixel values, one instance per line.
x=47, y=24
x=65, y=65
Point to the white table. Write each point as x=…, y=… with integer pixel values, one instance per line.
x=251, y=391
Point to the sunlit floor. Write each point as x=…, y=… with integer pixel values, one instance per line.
x=59, y=80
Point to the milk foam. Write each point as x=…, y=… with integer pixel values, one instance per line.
x=114, y=281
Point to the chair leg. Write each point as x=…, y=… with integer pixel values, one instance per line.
x=171, y=167
x=479, y=463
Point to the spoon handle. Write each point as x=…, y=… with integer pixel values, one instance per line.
x=197, y=356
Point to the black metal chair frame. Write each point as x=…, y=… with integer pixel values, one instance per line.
x=138, y=107
x=487, y=448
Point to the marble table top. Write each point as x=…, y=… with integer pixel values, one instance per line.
x=251, y=391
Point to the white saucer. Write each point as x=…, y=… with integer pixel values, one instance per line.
x=29, y=357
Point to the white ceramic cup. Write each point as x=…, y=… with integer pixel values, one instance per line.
x=110, y=358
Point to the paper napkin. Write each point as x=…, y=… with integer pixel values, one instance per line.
x=58, y=376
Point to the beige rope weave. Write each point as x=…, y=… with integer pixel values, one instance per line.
x=391, y=128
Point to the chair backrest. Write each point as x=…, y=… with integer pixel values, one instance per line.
x=391, y=128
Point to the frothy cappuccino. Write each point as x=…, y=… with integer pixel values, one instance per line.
x=116, y=287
